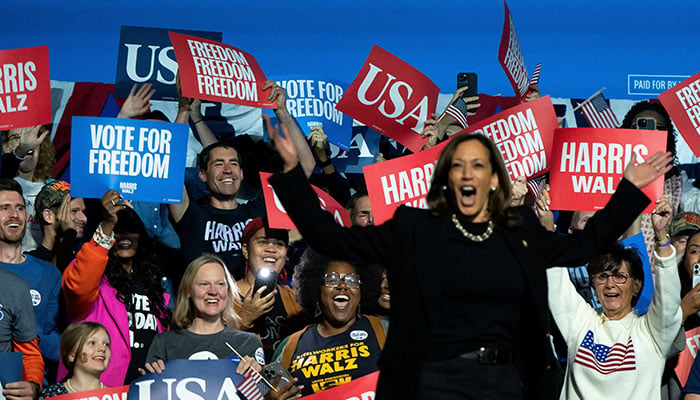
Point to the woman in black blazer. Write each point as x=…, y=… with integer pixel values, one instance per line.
x=468, y=313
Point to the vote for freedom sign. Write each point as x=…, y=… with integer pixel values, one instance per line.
x=587, y=165
x=683, y=105
x=143, y=160
x=210, y=70
x=25, y=87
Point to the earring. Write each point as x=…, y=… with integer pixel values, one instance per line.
x=493, y=189
x=317, y=313
x=444, y=187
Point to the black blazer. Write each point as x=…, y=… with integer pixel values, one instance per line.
x=415, y=243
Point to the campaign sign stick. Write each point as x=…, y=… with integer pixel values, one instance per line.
x=587, y=165
x=147, y=56
x=108, y=393
x=683, y=105
x=511, y=57
x=25, y=87
x=142, y=160
x=311, y=101
x=363, y=151
x=278, y=217
x=523, y=135
x=357, y=389
x=392, y=97
x=688, y=355
x=211, y=70
x=189, y=379
x=403, y=180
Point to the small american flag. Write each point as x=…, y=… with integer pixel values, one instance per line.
x=604, y=359
x=536, y=75
x=598, y=113
x=458, y=111
x=253, y=387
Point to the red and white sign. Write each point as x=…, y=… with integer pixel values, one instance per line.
x=357, y=389
x=687, y=356
x=391, y=97
x=277, y=215
x=404, y=180
x=511, y=57
x=524, y=135
x=115, y=392
x=25, y=87
x=210, y=70
x=587, y=164
x=683, y=105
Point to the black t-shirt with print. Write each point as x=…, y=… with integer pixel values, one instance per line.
x=143, y=327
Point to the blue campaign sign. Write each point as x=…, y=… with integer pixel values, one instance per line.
x=147, y=56
x=312, y=100
x=190, y=379
x=652, y=85
x=10, y=368
x=142, y=160
x=363, y=150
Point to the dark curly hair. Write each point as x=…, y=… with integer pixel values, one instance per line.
x=656, y=107
x=145, y=267
x=308, y=275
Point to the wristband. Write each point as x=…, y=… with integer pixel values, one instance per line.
x=325, y=163
x=101, y=238
x=663, y=242
x=195, y=123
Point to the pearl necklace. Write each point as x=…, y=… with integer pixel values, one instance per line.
x=72, y=390
x=471, y=236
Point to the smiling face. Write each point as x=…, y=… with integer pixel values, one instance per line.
x=692, y=253
x=223, y=175
x=471, y=178
x=616, y=298
x=13, y=216
x=261, y=251
x=94, y=357
x=339, y=304
x=126, y=245
x=209, y=292
x=385, y=298
x=77, y=214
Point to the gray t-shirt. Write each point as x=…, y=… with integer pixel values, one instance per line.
x=182, y=344
x=16, y=311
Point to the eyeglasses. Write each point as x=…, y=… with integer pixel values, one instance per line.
x=648, y=124
x=332, y=280
x=618, y=277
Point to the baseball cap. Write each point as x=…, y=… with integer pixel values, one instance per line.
x=686, y=222
x=51, y=195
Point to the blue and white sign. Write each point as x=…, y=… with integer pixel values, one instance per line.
x=147, y=56
x=652, y=85
x=311, y=101
x=363, y=151
x=142, y=160
x=190, y=379
x=10, y=368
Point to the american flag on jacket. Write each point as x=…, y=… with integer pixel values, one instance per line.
x=605, y=359
x=598, y=113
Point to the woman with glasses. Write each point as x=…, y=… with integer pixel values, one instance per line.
x=342, y=344
x=616, y=352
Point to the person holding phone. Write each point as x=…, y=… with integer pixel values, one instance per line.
x=268, y=308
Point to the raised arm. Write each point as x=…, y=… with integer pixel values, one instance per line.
x=138, y=101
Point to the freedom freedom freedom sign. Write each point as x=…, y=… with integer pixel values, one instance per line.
x=511, y=57
x=142, y=160
x=683, y=105
x=25, y=87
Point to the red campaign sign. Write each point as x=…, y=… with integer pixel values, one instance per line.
x=524, y=135
x=404, y=180
x=391, y=97
x=357, y=389
x=25, y=87
x=115, y=392
x=687, y=356
x=511, y=57
x=210, y=70
x=587, y=164
x=277, y=215
x=683, y=105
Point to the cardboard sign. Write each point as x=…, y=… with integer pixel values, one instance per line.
x=146, y=56
x=392, y=97
x=587, y=164
x=688, y=355
x=357, y=389
x=363, y=151
x=142, y=160
x=111, y=393
x=683, y=105
x=211, y=70
x=311, y=101
x=523, y=134
x=190, y=379
x=25, y=87
x=277, y=215
x=511, y=57
x=403, y=180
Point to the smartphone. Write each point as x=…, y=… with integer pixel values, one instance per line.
x=696, y=274
x=271, y=370
x=646, y=123
x=467, y=79
x=265, y=277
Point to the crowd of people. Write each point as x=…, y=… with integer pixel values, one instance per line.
x=487, y=294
